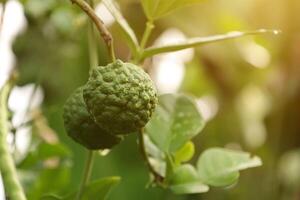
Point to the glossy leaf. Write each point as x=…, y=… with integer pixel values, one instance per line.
x=220, y=167
x=155, y=9
x=185, y=180
x=198, y=41
x=175, y=121
x=185, y=153
x=127, y=30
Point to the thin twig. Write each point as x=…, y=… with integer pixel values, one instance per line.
x=105, y=34
x=157, y=177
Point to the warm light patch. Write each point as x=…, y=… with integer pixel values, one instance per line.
x=169, y=68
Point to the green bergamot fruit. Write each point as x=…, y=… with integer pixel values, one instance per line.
x=81, y=127
x=120, y=96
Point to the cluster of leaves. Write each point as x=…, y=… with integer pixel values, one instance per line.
x=175, y=123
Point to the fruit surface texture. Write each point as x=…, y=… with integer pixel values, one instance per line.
x=121, y=97
x=81, y=127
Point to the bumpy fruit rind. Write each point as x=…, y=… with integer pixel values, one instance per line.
x=120, y=96
x=81, y=127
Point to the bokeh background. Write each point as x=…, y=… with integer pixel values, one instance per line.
x=247, y=89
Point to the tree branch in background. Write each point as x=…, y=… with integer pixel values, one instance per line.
x=12, y=185
x=105, y=34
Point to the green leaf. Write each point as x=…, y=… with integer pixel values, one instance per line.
x=198, y=41
x=61, y=18
x=127, y=30
x=175, y=121
x=190, y=188
x=155, y=9
x=185, y=180
x=43, y=152
x=96, y=190
x=184, y=174
x=185, y=153
x=38, y=8
x=99, y=190
x=220, y=167
x=55, y=197
x=51, y=197
x=49, y=180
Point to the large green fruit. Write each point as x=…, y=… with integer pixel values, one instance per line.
x=81, y=127
x=120, y=96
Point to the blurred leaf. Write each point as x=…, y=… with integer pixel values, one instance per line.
x=289, y=169
x=55, y=197
x=43, y=152
x=175, y=121
x=198, y=41
x=49, y=180
x=39, y=8
x=220, y=167
x=185, y=153
x=129, y=33
x=185, y=180
x=96, y=190
x=51, y=197
x=62, y=19
x=155, y=9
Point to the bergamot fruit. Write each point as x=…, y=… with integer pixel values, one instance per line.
x=81, y=127
x=121, y=97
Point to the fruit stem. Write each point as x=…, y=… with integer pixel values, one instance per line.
x=93, y=57
x=13, y=188
x=157, y=177
x=105, y=34
x=86, y=173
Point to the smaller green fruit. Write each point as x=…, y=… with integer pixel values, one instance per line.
x=81, y=127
